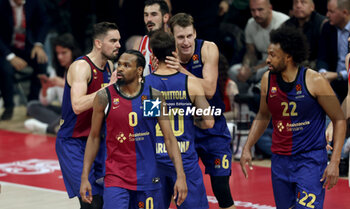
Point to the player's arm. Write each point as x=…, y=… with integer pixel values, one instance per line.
x=319, y=87
x=172, y=147
x=259, y=125
x=137, y=43
x=78, y=77
x=93, y=143
x=197, y=97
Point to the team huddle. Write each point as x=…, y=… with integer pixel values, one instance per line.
x=127, y=141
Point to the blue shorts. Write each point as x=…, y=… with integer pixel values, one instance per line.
x=296, y=179
x=70, y=153
x=117, y=197
x=215, y=153
x=196, y=196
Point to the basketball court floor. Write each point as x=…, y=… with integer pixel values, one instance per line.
x=30, y=178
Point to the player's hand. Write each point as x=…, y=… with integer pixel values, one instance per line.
x=154, y=62
x=330, y=175
x=246, y=157
x=173, y=62
x=244, y=73
x=180, y=190
x=39, y=53
x=18, y=63
x=329, y=136
x=85, y=187
x=114, y=78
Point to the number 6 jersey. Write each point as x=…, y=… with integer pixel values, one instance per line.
x=298, y=120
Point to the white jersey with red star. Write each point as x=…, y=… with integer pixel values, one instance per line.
x=145, y=49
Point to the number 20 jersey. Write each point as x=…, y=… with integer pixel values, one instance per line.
x=298, y=119
x=130, y=140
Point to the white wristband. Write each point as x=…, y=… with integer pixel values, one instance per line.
x=10, y=56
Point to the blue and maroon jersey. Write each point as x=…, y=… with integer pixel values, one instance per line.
x=130, y=139
x=73, y=125
x=175, y=92
x=297, y=118
x=195, y=66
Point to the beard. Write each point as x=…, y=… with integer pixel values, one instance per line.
x=110, y=57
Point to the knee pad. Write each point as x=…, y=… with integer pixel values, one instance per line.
x=97, y=203
x=221, y=189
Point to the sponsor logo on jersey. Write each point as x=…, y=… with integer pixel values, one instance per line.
x=280, y=126
x=121, y=137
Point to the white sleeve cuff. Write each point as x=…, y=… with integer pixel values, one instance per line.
x=322, y=70
x=10, y=56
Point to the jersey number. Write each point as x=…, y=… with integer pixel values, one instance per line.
x=132, y=119
x=225, y=162
x=285, y=110
x=180, y=125
x=149, y=203
x=310, y=204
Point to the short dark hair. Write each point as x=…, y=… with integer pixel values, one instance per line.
x=163, y=6
x=181, y=19
x=65, y=40
x=140, y=59
x=102, y=28
x=292, y=42
x=162, y=45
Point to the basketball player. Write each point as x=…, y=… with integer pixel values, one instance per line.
x=297, y=99
x=200, y=59
x=156, y=15
x=84, y=78
x=181, y=92
x=132, y=179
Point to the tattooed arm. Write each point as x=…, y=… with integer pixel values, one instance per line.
x=93, y=142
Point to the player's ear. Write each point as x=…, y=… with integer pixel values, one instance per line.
x=194, y=33
x=139, y=70
x=98, y=43
x=166, y=18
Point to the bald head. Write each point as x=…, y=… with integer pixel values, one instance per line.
x=261, y=11
x=302, y=9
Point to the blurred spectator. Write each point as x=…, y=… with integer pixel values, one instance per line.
x=228, y=89
x=46, y=113
x=257, y=40
x=205, y=14
x=24, y=27
x=310, y=23
x=238, y=13
x=333, y=46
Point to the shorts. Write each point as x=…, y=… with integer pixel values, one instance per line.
x=70, y=153
x=215, y=153
x=196, y=196
x=117, y=197
x=296, y=179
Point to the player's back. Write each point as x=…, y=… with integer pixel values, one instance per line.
x=131, y=161
x=174, y=89
x=298, y=119
x=73, y=125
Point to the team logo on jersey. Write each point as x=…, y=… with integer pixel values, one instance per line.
x=95, y=73
x=280, y=126
x=151, y=108
x=141, y=205
x=121, y=137
x=116, y=101
x=298, y=89
x=217, y=163
x=143, y=98
x=273, y=89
